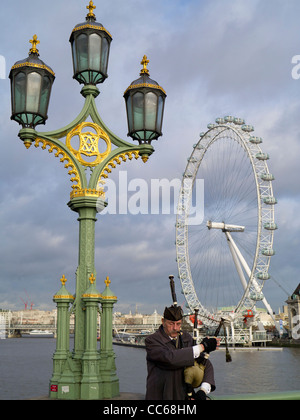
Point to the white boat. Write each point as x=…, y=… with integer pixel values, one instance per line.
x=41, y=332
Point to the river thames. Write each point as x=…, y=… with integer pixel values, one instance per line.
x=26, y=368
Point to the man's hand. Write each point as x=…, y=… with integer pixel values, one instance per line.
x=210, y=344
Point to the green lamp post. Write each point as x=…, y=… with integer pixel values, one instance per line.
x=83, y=373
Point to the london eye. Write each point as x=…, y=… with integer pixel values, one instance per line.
x=223, y=257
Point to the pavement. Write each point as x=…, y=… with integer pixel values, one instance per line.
x=124, y=396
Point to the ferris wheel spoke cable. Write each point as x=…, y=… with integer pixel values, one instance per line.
x=207, y=277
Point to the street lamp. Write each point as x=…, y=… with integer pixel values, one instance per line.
x=145, y=101
x=31, y=83
x=90, y=50
x=85, y=373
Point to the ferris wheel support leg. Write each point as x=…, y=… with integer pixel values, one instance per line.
x=237, y=254
x=236, y=260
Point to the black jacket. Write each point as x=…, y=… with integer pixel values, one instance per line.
x=166, y=365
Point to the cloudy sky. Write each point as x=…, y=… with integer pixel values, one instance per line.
x=213, y=58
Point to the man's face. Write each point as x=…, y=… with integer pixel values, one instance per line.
x=171, y=328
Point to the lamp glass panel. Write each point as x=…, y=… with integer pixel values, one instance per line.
x=34, y=84
x=74, y=52
x=104, y=55
x=46, y=88
x=138, y=111
x=150, y=111
x=160, y=111
x=82, y=51
x=94, y=51
x=19, y=92
x=129, y=114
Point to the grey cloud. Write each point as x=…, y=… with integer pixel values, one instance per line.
x=213, y=58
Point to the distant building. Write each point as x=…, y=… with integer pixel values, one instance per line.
x=5, y=320
x=37, y=317
x=137, y=319
x=34, y=316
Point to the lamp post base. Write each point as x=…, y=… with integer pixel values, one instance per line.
x=109, y=375
x=97, y=383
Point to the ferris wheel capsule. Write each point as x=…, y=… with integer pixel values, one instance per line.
x=248, y=313
x=229, y=119
x=256, y=140
x=267, y=177
x=211, y=126
x=270, y=226
x=262, y=156
x=220, y=121
x=247, y=128
x=270, y=200
x=256, y=296
x=263, y=275
x=268, y=252
x=239, y=121
x=198, y=146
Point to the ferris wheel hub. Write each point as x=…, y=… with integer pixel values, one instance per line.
x=225, y=227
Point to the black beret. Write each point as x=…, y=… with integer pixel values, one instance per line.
x=173, y=313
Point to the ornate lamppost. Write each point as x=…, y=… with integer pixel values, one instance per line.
x=85, y=372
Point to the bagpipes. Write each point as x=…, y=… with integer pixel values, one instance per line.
x=172, y=287
x=193, y=375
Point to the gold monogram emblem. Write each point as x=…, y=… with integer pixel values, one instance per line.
x=85, y=144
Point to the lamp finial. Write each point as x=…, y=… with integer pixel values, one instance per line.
x=92, y=278
x=145, y=63
x=91, y=7
x=34, y=41
x=63, y=280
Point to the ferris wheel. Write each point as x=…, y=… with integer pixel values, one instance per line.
x=223, y=252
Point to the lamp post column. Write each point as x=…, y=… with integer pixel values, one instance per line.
x=91, y=388
x=87, y=208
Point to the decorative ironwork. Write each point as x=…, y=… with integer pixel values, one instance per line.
x=65, y=157
x=122, y=157
x=88, y=143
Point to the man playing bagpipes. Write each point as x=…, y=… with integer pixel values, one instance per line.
x=169, y=353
